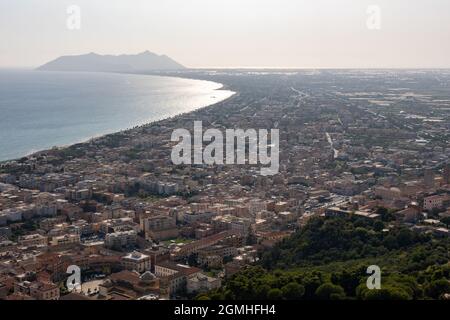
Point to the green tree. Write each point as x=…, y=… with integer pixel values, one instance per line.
x=262, y=291
x=328, y=291
x=386, y=216
x=293, y=291
x=192, y=260
x=386, y=294
x=437, y=288
x=390, y=242
x=349, y=280
x=274, y=294
x=404, y=238
x=378, y=226
x=446, y=221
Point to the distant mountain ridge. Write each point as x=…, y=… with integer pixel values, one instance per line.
x=110, y=63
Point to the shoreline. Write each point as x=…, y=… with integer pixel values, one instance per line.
x=82, y=141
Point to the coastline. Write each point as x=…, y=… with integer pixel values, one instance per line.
x=222, y=87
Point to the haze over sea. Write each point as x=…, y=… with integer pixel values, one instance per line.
x=39, y=110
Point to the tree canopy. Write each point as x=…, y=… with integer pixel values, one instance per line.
x=328, y=259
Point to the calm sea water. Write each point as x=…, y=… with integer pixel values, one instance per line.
x=39, y=110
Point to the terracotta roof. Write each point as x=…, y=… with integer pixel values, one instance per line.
x=17, y=296
x=74, y=296
x=125, y=275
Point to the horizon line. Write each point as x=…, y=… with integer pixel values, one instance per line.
x=258, y=68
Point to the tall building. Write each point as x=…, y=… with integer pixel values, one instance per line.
x=428, y=178
x=447, y=173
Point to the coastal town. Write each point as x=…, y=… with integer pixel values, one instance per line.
x=374, y=144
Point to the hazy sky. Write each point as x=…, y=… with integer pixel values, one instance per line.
x=232, y=33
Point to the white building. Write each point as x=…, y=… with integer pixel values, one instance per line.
x=33, y=240
x=65, y=239
x=199, y=283
x=121, y=239
x=136, y=261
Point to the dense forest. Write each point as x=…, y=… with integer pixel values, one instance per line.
x=329, y=257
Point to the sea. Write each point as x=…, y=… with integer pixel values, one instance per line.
x=43, y=109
